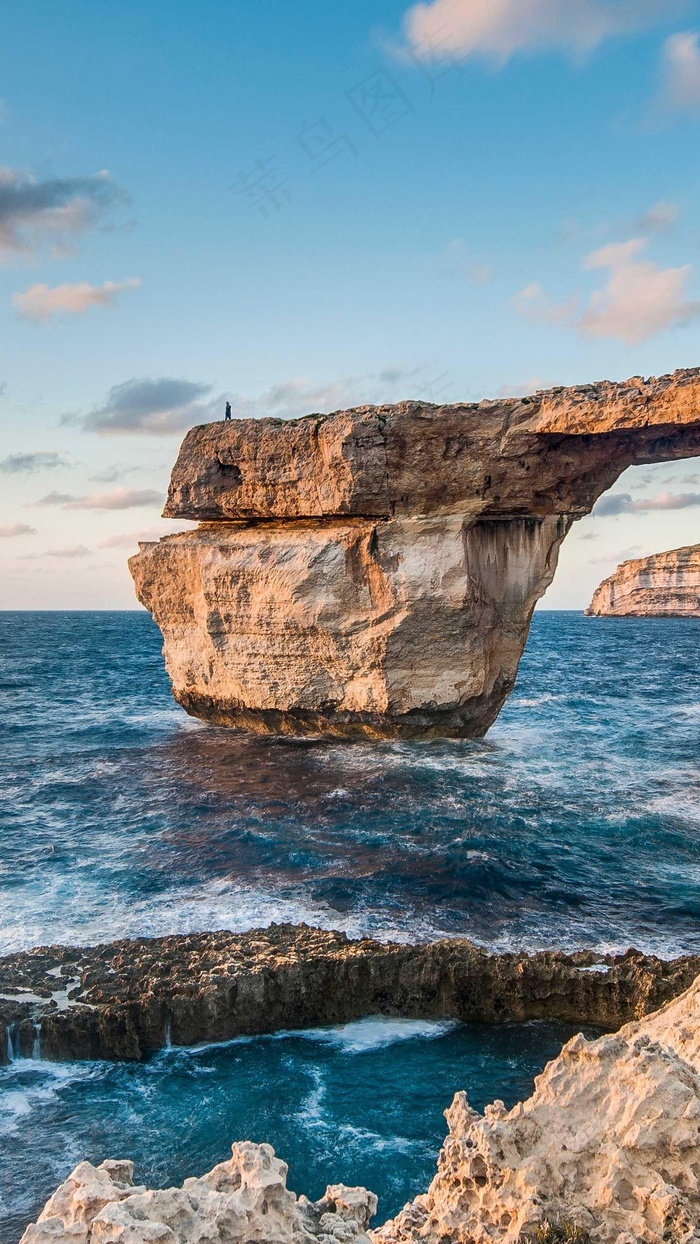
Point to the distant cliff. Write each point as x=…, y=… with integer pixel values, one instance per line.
x=666, y=585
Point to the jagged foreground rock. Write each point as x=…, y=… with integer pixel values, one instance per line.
x=665, y=585
x=243, y=1200
x=609, y=1141
x=374, y=572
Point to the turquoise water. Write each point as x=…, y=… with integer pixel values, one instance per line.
x=576, y=822
x=359, y=1104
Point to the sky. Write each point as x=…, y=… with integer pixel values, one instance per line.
x=304, y=207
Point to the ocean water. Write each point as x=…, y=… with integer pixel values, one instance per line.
x=576, y=822
x=340, y=1105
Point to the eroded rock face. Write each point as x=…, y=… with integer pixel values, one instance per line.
x=129, y=998
x=609, y=1142
x=373, y=573
x=666, y=585
x=412, y=627
x=241, y=1201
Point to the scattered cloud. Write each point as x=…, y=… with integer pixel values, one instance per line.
x=615, y=558
x=522, y=390
x=622, y=503
x=296, y=397
x=533, y=304
x=116, y=472
x=117, y=499
x=151, y=407
x=17, y=529
x=30, y=464
x=456, y=261
x=40, y=303
x=658, y=219
x=129, y=539
x=166, y=406
x=78, y=550
x=680, y=72
x=55, y=210
x=499, y=29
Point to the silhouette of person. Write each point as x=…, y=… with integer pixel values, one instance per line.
x=228, y=411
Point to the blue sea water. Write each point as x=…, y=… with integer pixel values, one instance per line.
x=361, y=1104
x=576, y=822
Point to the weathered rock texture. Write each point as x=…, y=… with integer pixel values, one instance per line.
x=609, y=1142
x=242, y=1201
x=374, y=572
x=666, y=585
x=129, y=998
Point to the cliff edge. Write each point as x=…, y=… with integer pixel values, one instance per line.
x=665, y=585
x=373, y=573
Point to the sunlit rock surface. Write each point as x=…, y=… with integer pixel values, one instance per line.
x=374, y=572
x=665, y=585
x=243, y=1200
x=609, y=1142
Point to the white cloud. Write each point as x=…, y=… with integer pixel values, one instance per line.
x=40, y=303
x=117, y=499
x=56, y=210
x=501, y=28
x=622, y=503
x=17, y=529
x=680, y=71
x=640, y=299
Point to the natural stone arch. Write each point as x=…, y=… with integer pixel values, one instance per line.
x=373, y=573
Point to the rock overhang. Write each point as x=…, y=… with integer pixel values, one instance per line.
x=554, y=452
x=373, y=573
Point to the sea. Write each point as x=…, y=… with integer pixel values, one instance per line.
x=574, y=823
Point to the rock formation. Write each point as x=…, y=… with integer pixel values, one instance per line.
x=609, y=1142
x=665, y=585
x=374, y=572
x=240, y=1201
x=607, y=1149
x=129, y=998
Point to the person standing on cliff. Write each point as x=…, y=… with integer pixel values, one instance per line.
x=227, y=416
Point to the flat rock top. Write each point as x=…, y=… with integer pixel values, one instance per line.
x=189, y=964
x=504, y=457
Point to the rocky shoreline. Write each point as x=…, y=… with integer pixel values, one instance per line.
x=127, y=999
x=605, y=1151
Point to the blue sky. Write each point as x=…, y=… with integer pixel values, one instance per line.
x=308, y=206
